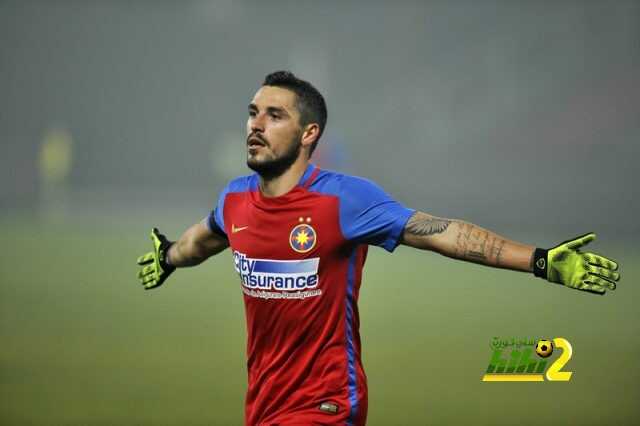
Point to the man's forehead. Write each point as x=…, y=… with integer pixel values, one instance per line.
x=272, y=96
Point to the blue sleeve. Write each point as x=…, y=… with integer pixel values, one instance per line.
x=215, y=219
x=369, y=215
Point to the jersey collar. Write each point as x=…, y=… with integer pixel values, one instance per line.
x=305, y=180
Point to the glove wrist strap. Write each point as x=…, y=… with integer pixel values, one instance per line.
x=165, y=255
x=540, y=263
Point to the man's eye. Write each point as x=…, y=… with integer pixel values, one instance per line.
x=252, y=113
x=275, y=116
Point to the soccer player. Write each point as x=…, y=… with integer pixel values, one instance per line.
x=299, y=237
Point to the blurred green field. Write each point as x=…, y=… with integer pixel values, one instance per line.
x=83, y=344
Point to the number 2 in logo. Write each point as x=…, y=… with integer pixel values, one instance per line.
x=553, y=372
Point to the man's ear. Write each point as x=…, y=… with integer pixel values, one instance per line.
x=310, y=134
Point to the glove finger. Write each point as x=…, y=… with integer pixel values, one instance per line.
x=156, y=236
x=591, y=288
x=148, y=278
x=598, y=260
x=600, y=282
x=580, y=241
x=146, y=271
x=602, y=272
x=151, y=285
x=154, y=284
x=145, y=258
x=149, y=269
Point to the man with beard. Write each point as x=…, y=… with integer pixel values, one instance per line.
x=299, y=237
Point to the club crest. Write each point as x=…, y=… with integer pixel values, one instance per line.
x=303, y=238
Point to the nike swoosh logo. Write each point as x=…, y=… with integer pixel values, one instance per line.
x=238, y=229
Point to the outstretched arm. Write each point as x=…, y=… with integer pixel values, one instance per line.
x=563, y=264
x=465, y=241
x=195, y=245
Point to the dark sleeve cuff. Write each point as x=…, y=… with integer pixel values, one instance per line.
x=213, y=226
x=397, y=230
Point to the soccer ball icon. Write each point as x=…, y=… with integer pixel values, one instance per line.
x=544, y=348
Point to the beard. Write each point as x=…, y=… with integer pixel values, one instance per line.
x=274, y=166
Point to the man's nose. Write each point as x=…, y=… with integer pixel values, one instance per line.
x=257, y=124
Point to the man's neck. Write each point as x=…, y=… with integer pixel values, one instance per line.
x=285, y=182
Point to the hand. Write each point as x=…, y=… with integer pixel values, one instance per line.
x=566, y=264
x=155, y=267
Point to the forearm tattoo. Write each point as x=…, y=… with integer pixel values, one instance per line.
x=422, y=224
x=478, y=245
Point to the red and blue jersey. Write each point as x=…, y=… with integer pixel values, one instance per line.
x=300, y=258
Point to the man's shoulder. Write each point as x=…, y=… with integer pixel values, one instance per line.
x=241, y=184
x=341, y=184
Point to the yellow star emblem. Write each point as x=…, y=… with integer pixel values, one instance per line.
x=302, y=237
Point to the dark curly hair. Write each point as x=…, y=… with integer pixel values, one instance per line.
x=309, y=101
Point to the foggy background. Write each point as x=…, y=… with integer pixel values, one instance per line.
x=504, y=113
x=117, y=116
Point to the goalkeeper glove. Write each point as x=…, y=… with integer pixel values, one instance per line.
x=566, y=264
x=155, y=267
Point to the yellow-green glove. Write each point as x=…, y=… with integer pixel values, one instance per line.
x=566, y=264
x=155, y=269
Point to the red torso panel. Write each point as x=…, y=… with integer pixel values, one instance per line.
x=300, y=257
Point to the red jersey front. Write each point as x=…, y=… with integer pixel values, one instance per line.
x=300, y=257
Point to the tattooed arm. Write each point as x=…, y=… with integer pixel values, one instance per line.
x=465, y=241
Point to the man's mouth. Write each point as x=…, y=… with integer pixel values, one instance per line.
x=254, y=142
